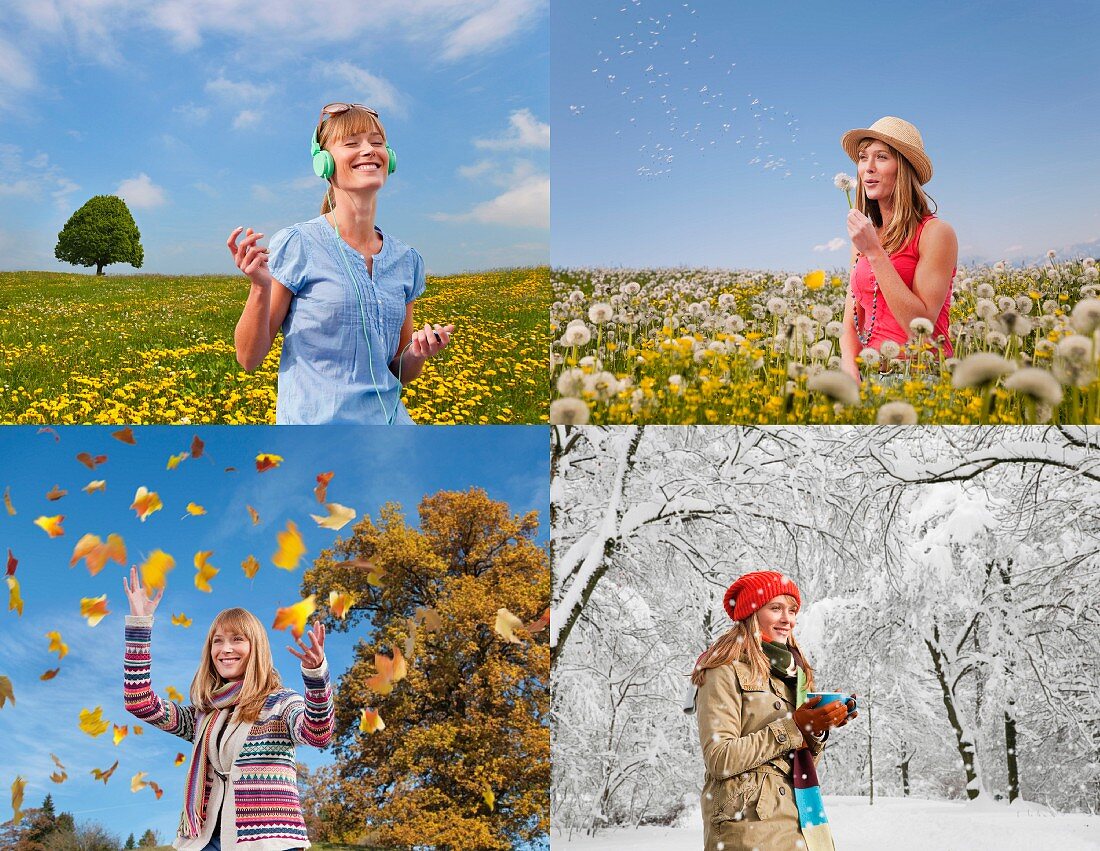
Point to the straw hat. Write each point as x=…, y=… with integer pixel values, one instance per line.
x=897, y=133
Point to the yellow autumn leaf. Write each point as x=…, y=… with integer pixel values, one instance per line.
x=99, y=774
x=174, y=695
x=338, y=516
x=6, y=692
x=254, y=514
x=93, y=723
x=505, y=626
x=15, y=601
x=95, y=486
x=206, y=571
x=488, y=796
x=120, y=733
x=154, y=571
x=17, y=787
x=250, y=565
x=51, y=525
x=96, y=554
x=7, y=500
x=195, y=510
x=94, y=609
x=181, y=620
x=291, y=547
x=174, y=460
x=339, y=602
x=145, y=503
x=296, y=616
x=57, y=645
x=137, y=782
x=390, y=670
x=370, y=721
x=59, y=776
x=180, y=759
x=266, y=461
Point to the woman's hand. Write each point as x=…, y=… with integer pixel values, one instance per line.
x=250, y=257
x=314, y=655
x=861, y=230
x=818, y=720
x=430, y=340
x=850, y=705
x=140, y=604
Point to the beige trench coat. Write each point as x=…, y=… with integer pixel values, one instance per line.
x=747, y=733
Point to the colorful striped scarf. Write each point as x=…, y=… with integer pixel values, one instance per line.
x=194, y=804
x=807, y=792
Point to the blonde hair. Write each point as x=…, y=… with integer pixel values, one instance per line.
x=338, y=127
x=741, y=643
x=910, y=203
x=260, y=676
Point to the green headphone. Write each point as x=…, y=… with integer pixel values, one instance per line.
x=324, y=166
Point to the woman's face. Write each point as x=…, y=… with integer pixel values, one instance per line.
x=878, y=171
x=362, y=161
x=229, y=651
x=776, y=618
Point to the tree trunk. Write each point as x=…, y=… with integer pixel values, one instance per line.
x=99, y=268
x=1010, y=752
x=968, y=751
x=870, y=747
x=904, y=766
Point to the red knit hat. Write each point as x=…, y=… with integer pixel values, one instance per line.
x=755, y=589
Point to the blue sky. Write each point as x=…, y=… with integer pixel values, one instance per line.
x=200, y=113
x=750, y=101
x=372, y=466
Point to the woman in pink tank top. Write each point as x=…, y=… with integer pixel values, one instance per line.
x=904, y=258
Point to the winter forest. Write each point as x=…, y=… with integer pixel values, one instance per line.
x=949, y=577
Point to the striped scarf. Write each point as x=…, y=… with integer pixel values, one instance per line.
x=807, y=792
x=194, y=803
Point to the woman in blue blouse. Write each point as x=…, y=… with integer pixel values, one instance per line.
x=345, y=290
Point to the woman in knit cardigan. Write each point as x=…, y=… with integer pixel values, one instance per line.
x=241, y=789
x=760, y=735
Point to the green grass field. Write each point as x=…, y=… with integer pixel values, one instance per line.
x=77, y=348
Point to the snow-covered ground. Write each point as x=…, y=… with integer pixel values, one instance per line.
x=900, y=824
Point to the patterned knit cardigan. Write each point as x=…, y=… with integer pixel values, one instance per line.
x=268, y=809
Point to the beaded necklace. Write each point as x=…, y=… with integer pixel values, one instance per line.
x=865, y=339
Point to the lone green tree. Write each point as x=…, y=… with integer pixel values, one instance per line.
x=100, y=233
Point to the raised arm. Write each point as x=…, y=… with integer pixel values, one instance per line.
x=311, y=719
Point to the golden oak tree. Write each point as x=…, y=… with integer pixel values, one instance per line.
x=463, y=761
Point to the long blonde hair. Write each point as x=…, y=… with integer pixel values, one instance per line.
x=741, y=643
x=910, y=203
x=260, y=676
x=337, y=127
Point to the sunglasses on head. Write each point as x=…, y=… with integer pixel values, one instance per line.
x=338, y=107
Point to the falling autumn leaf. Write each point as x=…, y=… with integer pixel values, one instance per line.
x=488, y=796
x=96, y=554
x=137, y=782
x=181, y=620
x=59, y=776
x=57, y=645
x=296, y=616
x=339, y=602
x=174, y=695
x=6, y=692
x=250, y=565
x=505, y=626
x=197, y=447
x=174, y=460
x=13, y=563
x=94, y=486
x=154, y=571
x=126, y=435
x=51, y=525
x=291, y=547
x=231, y=469
x=322, y=486
x=375, y=572
x=49, y=430
x=93, y=723
x=120, y=733
x=338, y=516
x=145, y=503
x=17, y=786
x=390, y=671
x=56, y=493
x=94, y=609
x=539, y=625
x=7, y=500
x=410, y=639
x=137, y=730
x=50, y=674
x=370, y=721
x=156, y=789
x=15, y=601
x=104, y=775
x=265, y=462
x=428, y=618
x=180, y=759
x=206, y=571
x=91, y=461
x=195, y=510
x=254, y=514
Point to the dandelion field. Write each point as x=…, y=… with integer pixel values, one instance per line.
x=159, y=349
x=712, y=346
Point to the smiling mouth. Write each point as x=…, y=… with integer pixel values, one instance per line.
x=366, y=167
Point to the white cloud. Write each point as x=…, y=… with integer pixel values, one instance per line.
x=476, y=170
x=16, y=72
x=525, y=131
x=1014, y=248
x=140, y=192
x=374, y=91
x=192, y=113
x=489, y=26
x=33, y=177
x=207, y=189
x=834, y=244
x=246, y=118
x=526, y=204
x=239, y=92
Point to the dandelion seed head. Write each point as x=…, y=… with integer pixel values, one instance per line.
x=889, y=349
x=896, y=413
x=1075, y=347
x=838, y=386
x=1036, y=383
x=568, y=411
x=600, y=313
x=920, y=325
x=979, y=370
x=984, y=290
x=1086, y=315
x=870, y=356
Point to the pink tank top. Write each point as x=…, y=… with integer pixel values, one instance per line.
x=886, y=326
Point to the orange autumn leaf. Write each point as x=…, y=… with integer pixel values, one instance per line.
x=7, y=500
x=6, y=692
x=206, y=571
x=180, y=759
x=322, y=486
x=137, y=782
x=291, y=547
x=95, y=486
x=156, y=789
x=57, y=762
x=126, y=435
x=15, y=601
x=265, y=461
x=195, y=510
x=174, y=460
x=57, y=645
x=338, y=516
x=146, y=502
x=174, y=695
x=250, y=565
x=197, y=447
x=51, y=525
x=96, y=554
x=428, y=618
x=120, y=733
x=91, y=461
x=94, y=609
x=50, y=674
x=154, y=571
x=13, y=563
x=59, y=776
x=137, y=730
x=181, y=620
x=375, y=572
x=539, y=625
x=93, y=723
x=390, y=671
x=370, y=721
x=17, y=787
x=254, y=514
x=505, y=626
x=104, y=775
x=296, y=616
x=339, y=602
x=56, y=492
